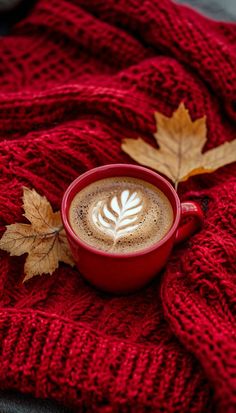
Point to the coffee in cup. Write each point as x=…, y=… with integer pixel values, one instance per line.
x=121, y=222
x=120, y=214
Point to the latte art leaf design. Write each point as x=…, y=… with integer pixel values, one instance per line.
x=118, y=216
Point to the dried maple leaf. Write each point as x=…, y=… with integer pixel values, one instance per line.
x=180, y=141
x=44, y=239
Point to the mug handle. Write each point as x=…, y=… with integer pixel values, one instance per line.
x=191, y=219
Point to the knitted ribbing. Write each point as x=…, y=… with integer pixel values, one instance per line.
x=76, y=78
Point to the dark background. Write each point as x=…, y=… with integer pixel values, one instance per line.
x=217, y=9
x=12, y=402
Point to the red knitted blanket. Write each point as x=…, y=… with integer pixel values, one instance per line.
x=76, y=77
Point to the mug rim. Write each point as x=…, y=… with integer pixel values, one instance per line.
x=90, y=248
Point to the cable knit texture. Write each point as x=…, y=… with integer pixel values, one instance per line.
x=77, y=77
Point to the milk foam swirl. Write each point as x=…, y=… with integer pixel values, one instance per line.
x=118, y=216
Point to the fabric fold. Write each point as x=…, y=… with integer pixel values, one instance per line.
x=78, y=77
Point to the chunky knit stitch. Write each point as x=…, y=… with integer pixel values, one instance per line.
x=77, y=77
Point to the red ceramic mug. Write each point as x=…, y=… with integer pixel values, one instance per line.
x=123, y=273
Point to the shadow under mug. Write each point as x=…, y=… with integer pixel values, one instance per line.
x=124, y=273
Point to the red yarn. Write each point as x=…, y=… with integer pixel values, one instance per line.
x=76, y=78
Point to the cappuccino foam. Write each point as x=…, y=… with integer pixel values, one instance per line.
x=120, y=214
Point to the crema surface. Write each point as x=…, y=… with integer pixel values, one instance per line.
x=120, y=214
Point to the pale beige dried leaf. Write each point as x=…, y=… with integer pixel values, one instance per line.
x=179, y=135
x=146, y=155
x=38, y=210
x=45, y=257
x=44, y=239
x=211, y=160
x=181, y=142
x=220, y=156
x=18, y=239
